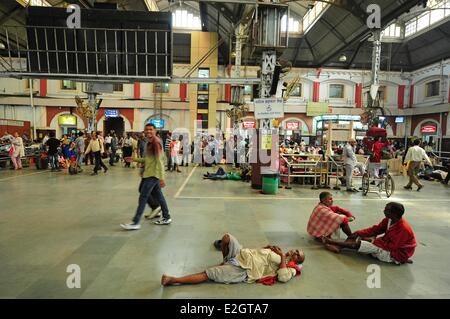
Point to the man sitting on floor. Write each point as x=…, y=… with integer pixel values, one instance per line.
x=246, y=265
x=326, y=220
x=397, y=244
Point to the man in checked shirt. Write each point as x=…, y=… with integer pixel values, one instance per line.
x=327, y=220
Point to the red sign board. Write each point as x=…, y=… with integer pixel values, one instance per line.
x=249, y=124
x=292, y=125
x=429, y=129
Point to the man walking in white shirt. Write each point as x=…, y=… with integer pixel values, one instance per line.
x=350, y=162
x=415, y=156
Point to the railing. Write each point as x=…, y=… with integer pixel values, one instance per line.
x=87, y=53
x=304, y=168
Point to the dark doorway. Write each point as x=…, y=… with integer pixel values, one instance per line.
x=115, y=124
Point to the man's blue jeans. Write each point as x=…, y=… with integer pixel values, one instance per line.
x=53, y=159
x=150, y=187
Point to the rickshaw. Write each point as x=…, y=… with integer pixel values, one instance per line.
x=385, y=182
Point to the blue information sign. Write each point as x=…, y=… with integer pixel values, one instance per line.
x=159, y=123
x=111, y=113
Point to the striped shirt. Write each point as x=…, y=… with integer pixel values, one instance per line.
x=167, y=144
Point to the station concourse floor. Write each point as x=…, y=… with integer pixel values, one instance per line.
x=51, y=220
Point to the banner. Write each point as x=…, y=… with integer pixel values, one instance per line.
x=317, y=108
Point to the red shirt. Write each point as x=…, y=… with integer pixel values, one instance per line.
x=398, y=239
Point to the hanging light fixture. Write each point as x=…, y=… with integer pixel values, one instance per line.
x=342, y=58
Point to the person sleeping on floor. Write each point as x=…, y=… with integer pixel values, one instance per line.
x=265, y=265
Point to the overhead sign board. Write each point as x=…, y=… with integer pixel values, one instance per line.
x=270, y=108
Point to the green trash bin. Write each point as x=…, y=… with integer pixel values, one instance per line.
x=270, y=184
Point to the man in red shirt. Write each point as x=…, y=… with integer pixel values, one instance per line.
x=327, y=220
x=397, y=244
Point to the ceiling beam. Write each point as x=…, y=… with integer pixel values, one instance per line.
x=11, y=13
x=355, y=54
x=405, y=6
x=333, y=29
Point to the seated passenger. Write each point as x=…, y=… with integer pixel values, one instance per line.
x=327, y=219
x=396, y=245
x=246, y=265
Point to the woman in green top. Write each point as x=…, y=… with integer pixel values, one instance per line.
x=152, y=182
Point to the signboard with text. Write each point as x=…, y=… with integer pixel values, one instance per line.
x=67, y=120
x=292, y=125
x=111, y=113
x=159, y=123
x=317, y=108
x=270, y=108
x=428, y=129
x=249, y=124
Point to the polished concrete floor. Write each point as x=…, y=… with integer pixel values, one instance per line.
x=51, y=220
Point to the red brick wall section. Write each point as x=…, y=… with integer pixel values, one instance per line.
x=183, y=92
x=129, y=114
x=316, y=91
x=228, y=93
x=26, y=128
x=358, y=95
x=43, y=88
x=137, y=90
x=401, y=96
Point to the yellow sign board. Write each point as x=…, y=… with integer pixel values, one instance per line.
x=266, y=142
x=67, y=120
x=317, y=108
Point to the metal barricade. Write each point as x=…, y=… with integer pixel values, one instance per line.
x=303, y=168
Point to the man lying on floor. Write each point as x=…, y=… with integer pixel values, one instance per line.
x=327, y=220
x=397, y=244
x=265, y=265
x=222, y=175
